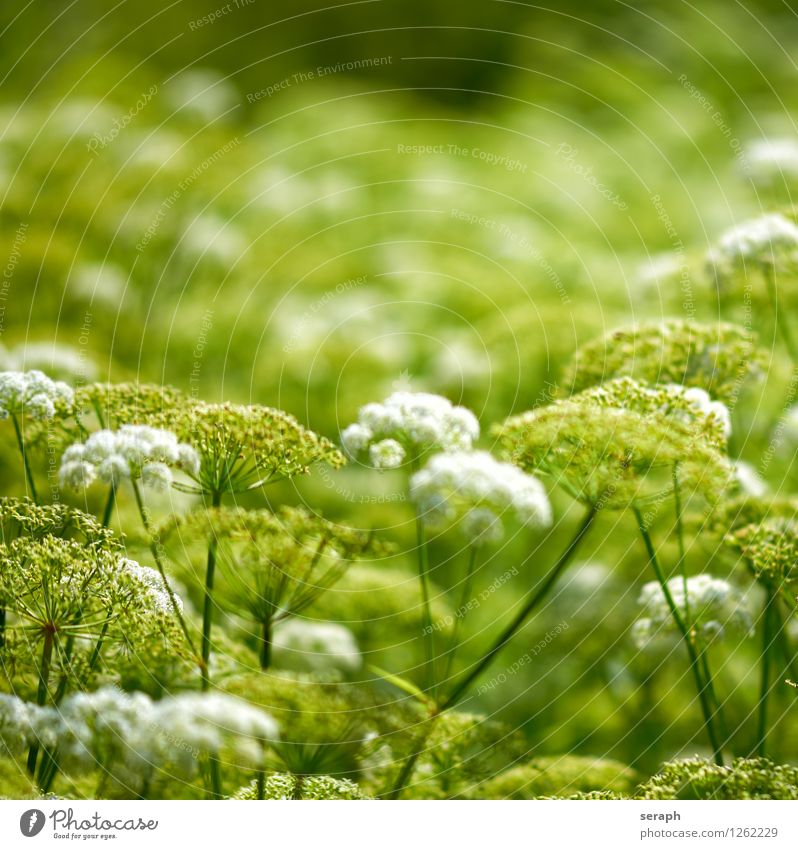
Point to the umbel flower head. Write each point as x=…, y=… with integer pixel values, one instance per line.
x=711, y=605
x=479, y=493
x=749, y=481
x=150, y=582
x=770, y=546
x=765, y=244
x=757, y=778
x=691, y=406
x=23, y=724
x=34, y=395
x=55, y=589
x=407, y=425
x=284, y=785
x=244, y=447
x=715, y=358
x=618, y=444
x=273, y=565
x=134, y=452
x=772, y=163
x=743, y=508
x=304, y=645
x=22, y=517
x=112, y=405
x=132, y=737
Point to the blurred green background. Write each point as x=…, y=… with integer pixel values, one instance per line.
x=310, y=207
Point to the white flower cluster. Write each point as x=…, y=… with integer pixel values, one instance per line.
x=790, y=425
x=31, y=393
x=759, y=240
x=23, y=723
x=712, y=605
x=305, y=646
x=477, y=491
x=749, y=480
x=63, y=361
x=132, y=452
x=406, y=425
x=129, y=734
x=703, y=405
x=152, y=583
x=770, y=162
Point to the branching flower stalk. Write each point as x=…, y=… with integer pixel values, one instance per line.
x=688, y=619
x=535, y=598
x=207, y=608
x=155, y=549
x=32, y=395
x=779, y=316
x=25, y=460
x=770, y=549
x=402, y=431
x=461, y=610
x=241, y=449
x=770, y=625
x=702, y=684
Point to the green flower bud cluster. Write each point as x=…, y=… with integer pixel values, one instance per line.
x=714, y=357
x=617, y=445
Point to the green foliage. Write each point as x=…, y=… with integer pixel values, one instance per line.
x=15, y=781
x=459, y=753
x=381, y=605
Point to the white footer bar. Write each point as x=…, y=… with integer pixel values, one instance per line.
x=399, y=825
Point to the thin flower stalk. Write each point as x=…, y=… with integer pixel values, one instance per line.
x=695, y=662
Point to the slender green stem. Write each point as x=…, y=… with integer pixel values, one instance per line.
x=260, y=784
x=422, y=554
x=717, y=710
x=48, y=770
x=23, y=451
x=266, y=644
x=769, y=614
x=215, y=777
x=782, y=638
x=682, y=568
x=159, y=563
x=677, y=506
x=782, y=328
x=534, y=599
x=109, y=506
x=41, y=694
x=207, y=611
x=460, y=612
x=406, y=772
x=695, y=663
x=95, y=655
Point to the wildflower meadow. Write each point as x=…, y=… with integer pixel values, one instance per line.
x=399, y=401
